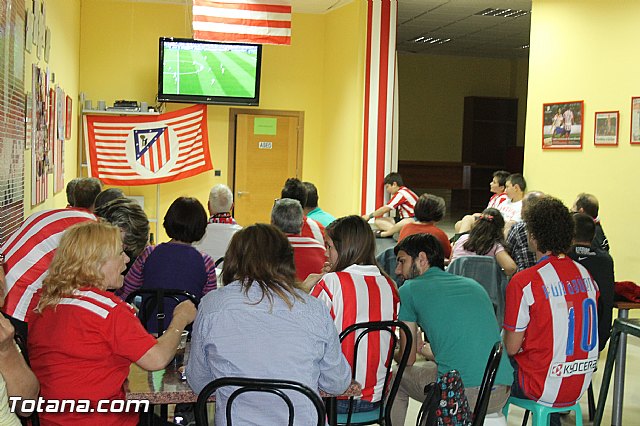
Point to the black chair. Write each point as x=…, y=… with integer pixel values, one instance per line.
x=153, y=304
x=488, y=380
x=382, y=415
x=244, y=384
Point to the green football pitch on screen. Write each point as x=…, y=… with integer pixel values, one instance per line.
x=206, y=73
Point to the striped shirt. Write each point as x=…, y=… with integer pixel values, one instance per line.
x=28, y=253
x=308, y=255
x=360, y=293
x=554, y=304
x=497, y=199
x=83, y=349
x=312, y=229
x=404, y=200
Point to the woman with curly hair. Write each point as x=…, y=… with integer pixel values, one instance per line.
x=486, y=238
x=83, y=339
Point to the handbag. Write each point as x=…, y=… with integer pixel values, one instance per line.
x=445, y=403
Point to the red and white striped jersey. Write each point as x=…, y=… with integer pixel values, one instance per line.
x=404, y=200
x=312, y=229
x=497, y=199
x=28, y=253
x=554, y=304
x=308, y=255
x=360, y=293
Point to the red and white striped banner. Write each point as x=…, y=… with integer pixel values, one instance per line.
x=380, y=108
x=142, y=150
x=245, y=21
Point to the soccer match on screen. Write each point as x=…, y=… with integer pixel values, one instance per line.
x=209, y=70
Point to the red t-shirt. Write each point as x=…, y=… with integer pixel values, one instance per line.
x=312, y=229
x=83, y=349
x=554, y=304
x=308, y=255
x=427, y=228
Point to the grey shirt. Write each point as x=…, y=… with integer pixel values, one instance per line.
x=237, y=335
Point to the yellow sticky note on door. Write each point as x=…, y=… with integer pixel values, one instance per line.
x=265, y=126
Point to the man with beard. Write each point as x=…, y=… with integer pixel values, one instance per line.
x=458, y=319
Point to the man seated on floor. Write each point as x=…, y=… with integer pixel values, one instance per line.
x=311, y=209
x=600, y=265
x=496, y=186
x=308, y=254
x=588, y=203
x=221, y=226
x=517, y=237
x=295, y=190
x=402, y=198
x=458, y=318
x=550, y=319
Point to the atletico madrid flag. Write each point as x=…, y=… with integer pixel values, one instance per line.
x=142, y=150
x=245, y=21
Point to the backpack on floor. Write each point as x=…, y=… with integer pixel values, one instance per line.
x=445, y=403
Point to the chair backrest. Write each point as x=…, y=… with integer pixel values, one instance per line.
x=387, y=261
x=486, y=271
x=488, y=380
x=246, y=384
x=153, y=303
x=361, y=330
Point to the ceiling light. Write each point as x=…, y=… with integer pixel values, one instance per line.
x=502, y=13
x=430, y=40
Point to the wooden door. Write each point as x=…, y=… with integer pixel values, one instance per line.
x=266, y=155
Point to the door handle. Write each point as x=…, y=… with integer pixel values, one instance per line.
x=241, y=193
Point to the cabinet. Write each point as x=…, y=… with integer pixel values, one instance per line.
x=489, y=137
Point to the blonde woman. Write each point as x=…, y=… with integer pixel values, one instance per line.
x=83, y=339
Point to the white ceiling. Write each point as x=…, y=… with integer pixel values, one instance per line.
x=471, y=35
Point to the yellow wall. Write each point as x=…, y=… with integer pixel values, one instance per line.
x=432, y=90
x=319, y=73
x=591, y=57
x=63, y=18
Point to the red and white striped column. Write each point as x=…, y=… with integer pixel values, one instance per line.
x=380, y=151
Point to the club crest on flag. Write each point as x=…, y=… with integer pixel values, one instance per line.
x=152, y=147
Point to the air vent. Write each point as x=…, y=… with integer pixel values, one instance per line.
x=430, y=40
x=502, y=13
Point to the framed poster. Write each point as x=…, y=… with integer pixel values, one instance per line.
x=562, y=125
x=606, y=128
x=635, y=120
x=67, y=126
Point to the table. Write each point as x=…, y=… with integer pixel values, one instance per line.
x=621, y=359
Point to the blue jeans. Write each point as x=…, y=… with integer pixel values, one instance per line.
x=516, y=391
x=358, y=406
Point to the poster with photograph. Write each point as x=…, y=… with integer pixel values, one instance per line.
x=635, y=120
x=69, y=117
x=562, y=125
x=606, y=128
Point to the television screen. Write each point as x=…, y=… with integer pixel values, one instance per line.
x=208, y=72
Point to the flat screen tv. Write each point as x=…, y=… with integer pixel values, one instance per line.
x=208, y=72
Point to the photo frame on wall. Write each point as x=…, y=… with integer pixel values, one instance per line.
x=67, y=127
x=606, y=126
x=562, y=125
x=635, y=120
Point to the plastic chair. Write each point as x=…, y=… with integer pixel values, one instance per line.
x=381, y=415
x=153, y=303
x=245, y=384
x=488, y=380
x=486, y=271
x=387, y=261
x=541, y=412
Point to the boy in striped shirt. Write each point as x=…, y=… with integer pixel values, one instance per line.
x=403, y=199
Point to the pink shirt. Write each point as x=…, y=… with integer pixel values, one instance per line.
x=459, y=251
